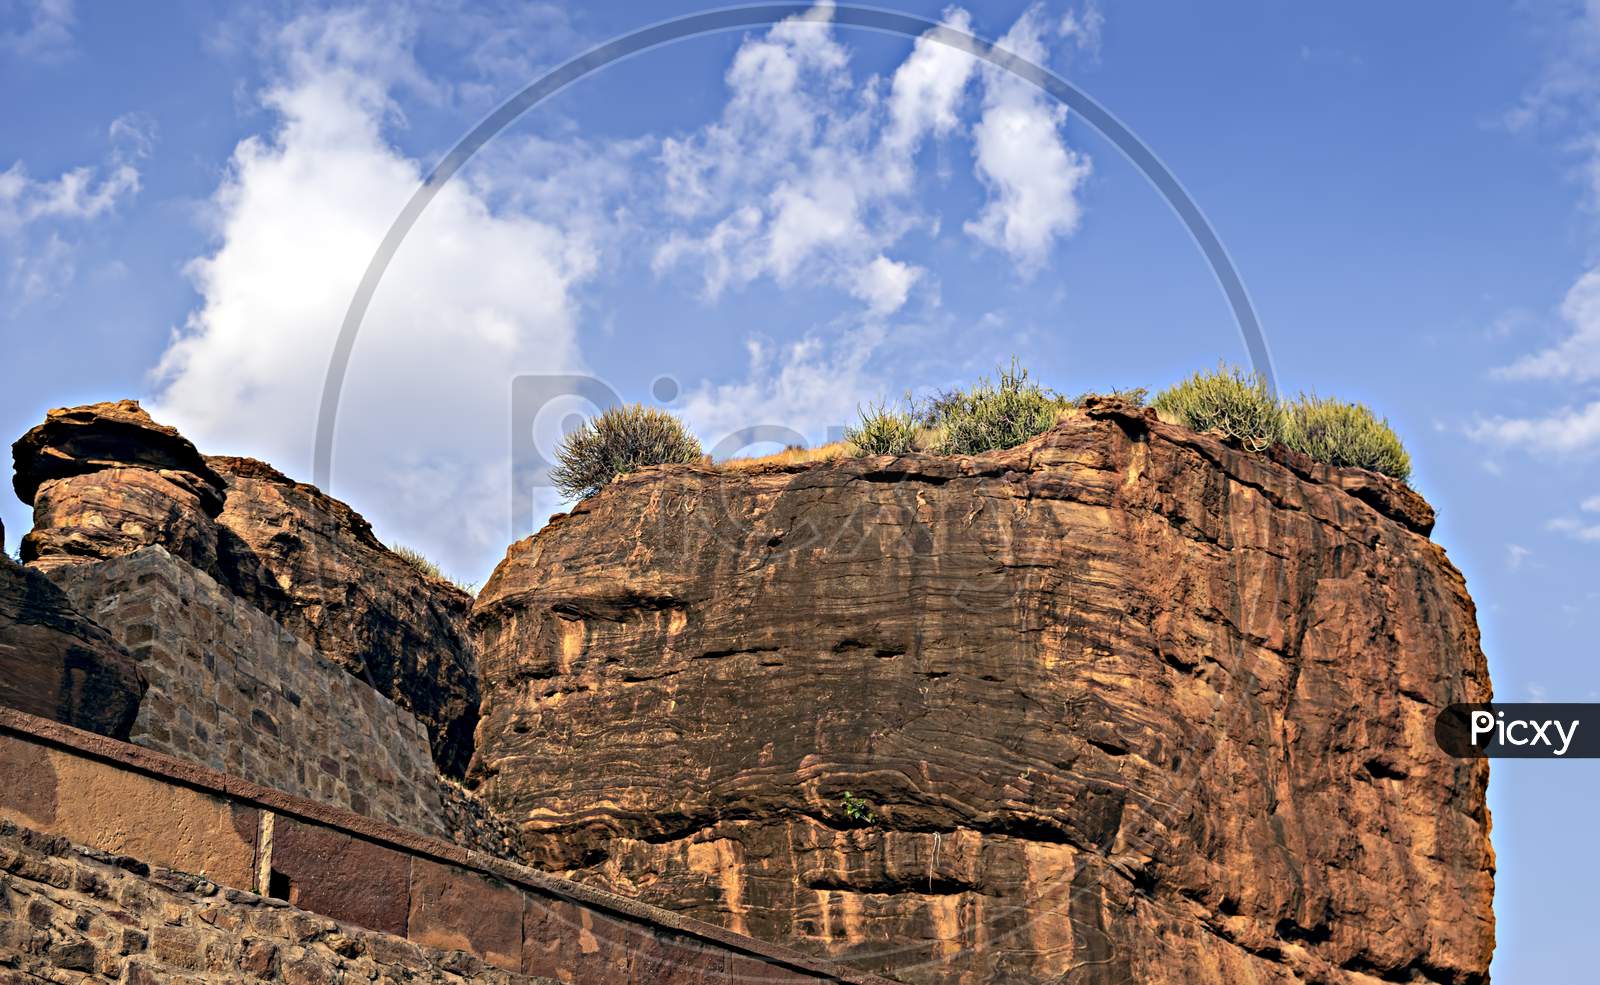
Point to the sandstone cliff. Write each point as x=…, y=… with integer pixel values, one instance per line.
x=105, y=481
x=1125, y=704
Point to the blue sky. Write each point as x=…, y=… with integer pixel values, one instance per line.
x=789, y=223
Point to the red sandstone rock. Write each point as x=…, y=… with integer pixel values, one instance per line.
x=105, y=480
x=312, y=563
x=57, y=663
x=77, y=440
x=114, y=512
x=1128, y=704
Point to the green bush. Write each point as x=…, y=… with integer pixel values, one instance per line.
x=883, y=431
x=619, y=441
x=1228, y=400
x=994, y=415
x=1341, y=433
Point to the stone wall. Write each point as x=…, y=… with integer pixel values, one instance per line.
x=120, y=863
x=71, y=914
x=232, y=690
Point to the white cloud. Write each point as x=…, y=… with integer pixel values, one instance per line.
x=1576, y=529
x=1577, y=357
x=475, y=295
x=81, y=193
x=1517, y=556
x=928, y=87
x=133, y=135
x=789, y=183
x=808, y=175
x=42, y=270
x=34, y=212
x=1568, y=431
x=48, y=34
x=885, y=283
x=1083, y=27
x=1033, y=176
x=1579, y=528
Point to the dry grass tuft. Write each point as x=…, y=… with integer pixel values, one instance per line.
x=792, y=456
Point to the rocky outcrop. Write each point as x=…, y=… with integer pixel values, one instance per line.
x=80, y=440
x=1121, y=704
x=105, y=481
x=313, y=563
x=58, y=664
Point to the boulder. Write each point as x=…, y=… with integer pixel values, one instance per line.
x=59, y=664
x=78, y=440
x=115, y=511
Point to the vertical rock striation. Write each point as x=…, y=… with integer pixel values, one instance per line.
x=1125, y=704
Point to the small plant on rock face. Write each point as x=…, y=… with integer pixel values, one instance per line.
x=883, y=431
x=858, y=810
x=619, y=441
x=1345, y=434
x=1228, y=400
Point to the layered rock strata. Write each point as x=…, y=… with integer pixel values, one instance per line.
x=1122, y=704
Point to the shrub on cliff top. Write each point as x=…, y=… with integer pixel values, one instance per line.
x=883, y=431
x=1228, y=400
x=619, y=441
x=1344, y=434
x=993, y=415
x=428, y=569
x=418, y=560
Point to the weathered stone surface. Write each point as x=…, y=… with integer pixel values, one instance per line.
x=116, y=511
x=313, y=563
x=454, y=908
x=121, y=811
x=57, y=663
x=334, y=874
x=1128, y=704
x=69, y=914
x=79, y=440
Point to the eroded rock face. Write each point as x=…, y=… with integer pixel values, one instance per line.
x=312, y=562
x=78, y=440
x=59, y=664
x=116, y=511
x=1126, y=705
x=105, y=481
